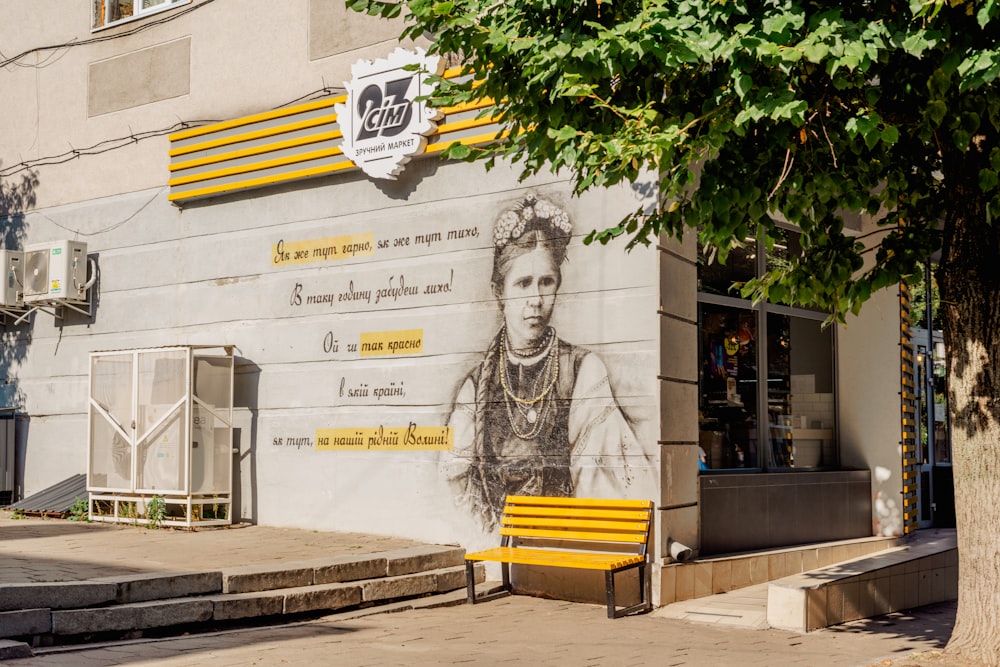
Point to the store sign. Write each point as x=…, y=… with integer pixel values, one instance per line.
x=382, y=123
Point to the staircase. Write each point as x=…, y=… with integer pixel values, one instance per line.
x=49, y=614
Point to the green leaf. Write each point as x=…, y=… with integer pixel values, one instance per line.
x=962, y=138
x=743, y=84
x=988, y=180
x=890, y=135
x=815, y=53
x=564, y=133
x=458, y=151
x=916, y=43
x=936, y=111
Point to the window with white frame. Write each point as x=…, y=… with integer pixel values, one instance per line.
x=110, y=12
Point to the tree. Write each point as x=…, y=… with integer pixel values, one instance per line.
x=808, y=110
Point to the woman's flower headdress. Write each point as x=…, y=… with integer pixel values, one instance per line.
x=532, y=213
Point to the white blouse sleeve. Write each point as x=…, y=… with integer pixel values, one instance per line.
x=604, y=448
x=463, y=424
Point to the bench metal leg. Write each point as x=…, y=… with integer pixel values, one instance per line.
x=470, y=581
x=644, y=602
x=609, y=588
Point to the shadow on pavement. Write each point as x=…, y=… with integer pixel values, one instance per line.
x=931, y=624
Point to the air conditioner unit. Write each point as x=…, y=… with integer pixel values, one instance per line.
x=55, y=271
x=12, y=266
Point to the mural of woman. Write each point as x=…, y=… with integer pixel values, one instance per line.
x=537, y=416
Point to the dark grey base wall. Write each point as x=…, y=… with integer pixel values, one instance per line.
x=762, y=511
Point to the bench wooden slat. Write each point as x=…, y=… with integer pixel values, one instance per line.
x=552, y=501
x=626, y=538
x=624, y=515
x=586, y=561
x=565, y=523
x=599, y=530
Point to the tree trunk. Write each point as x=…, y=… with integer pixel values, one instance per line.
x=969, y=278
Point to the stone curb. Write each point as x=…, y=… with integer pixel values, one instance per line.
x=12, y=650
x=138, y=602
x=56, y=595
x=144, y=587
x=341, y=569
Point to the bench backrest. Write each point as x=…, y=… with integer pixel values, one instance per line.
x=594, y=520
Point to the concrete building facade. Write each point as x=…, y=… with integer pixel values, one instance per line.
x=403, y=355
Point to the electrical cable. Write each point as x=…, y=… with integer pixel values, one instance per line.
x=97, y=149
x=171, y=16
x=109, y=228
x=120, y=142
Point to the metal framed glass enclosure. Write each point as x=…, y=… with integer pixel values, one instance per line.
x=161, y=436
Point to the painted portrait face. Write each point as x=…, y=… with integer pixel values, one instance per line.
x=527, y=296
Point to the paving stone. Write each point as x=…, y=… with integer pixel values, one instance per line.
x=326, y=596
x=399, y=587
x=56, y=595
x=144, y=587
x=85, y=621
x=453, y=578
x=350, y=568
x=422, y=558
x=253, y=578
x=247, y=605
x=137, y=616
x=25, y=622
x=12, y=650
x=172, y=612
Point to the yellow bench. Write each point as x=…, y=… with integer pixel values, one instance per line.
x=585, y=533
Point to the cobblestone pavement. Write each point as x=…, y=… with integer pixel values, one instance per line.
x=516, y=630
x=34, y=550
x=527, y=631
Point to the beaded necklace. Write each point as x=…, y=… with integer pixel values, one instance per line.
x=529, y=352
x=528, y=408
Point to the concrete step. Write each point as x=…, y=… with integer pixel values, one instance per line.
x=743, y=608
x=719, y=574
x=921, y=572
x=50, y=613
x=450, y=599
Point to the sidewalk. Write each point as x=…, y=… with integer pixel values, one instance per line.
x=34, y=550
x=516, y=630
x=526, y=631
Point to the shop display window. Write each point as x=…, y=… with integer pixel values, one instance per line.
x=728, y=387
x=762, y=364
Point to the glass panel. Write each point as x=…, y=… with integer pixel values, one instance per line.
x=717, y=278
x=924, y=403
x=210, y=453
x=727, y=387
x=786, y=246
x=942, y=432
x=800, y=399
x=162, y=416
x=110, y=451
x=213, y=380
x=211, y=438
x=147, y=4
x=119, y=9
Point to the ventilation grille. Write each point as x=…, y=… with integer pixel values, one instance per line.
x=36, y=272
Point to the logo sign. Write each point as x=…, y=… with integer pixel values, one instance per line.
x=382, y=124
